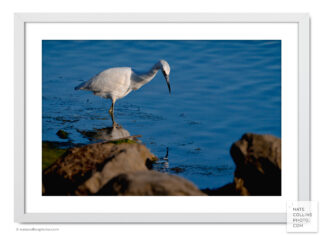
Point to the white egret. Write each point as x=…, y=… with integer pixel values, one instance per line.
x=116, y=83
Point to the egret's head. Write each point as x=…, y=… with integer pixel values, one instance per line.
x=165, y=68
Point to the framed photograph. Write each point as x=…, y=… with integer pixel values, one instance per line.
x=160, y=118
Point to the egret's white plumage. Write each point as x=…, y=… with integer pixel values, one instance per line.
x=116, y=83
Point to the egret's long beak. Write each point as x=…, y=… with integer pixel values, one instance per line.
x=167, y=80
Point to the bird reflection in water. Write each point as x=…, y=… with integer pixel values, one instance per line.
x=117, y=132
x=114, y=132
x=166, y=161
x=162, y=164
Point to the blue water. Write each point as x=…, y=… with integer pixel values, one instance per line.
x=221, y=89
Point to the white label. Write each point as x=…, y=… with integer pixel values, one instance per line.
x=302, y=216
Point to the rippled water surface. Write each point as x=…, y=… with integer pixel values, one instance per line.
x=220, y=90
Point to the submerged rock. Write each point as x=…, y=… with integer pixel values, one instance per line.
x=177, y=169
x=149, y=183
x=62, y=134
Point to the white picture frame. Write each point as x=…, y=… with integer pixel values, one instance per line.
x=21, y=19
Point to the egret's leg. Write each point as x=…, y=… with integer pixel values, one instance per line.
x=111, y=112
x=113, y=119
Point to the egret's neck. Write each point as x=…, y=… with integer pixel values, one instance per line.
x=140, y=79
x=148, y=76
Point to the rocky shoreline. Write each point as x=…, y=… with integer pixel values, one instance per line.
x=123, y=167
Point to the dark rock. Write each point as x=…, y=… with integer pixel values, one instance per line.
x=226, y=190
x=148, y=183
x=130, y=158
x=258, y=165
x=80, y=168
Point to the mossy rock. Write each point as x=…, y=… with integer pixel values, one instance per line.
x=50, y=154
x=129, y=141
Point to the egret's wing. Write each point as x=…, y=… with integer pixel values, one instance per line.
x=113, y=82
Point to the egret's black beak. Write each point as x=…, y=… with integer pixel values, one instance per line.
x=167, y=81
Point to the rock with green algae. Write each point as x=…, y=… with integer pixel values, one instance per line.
x=50, y=153
x=129, y=141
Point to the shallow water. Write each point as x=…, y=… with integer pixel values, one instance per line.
x=220, y=90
